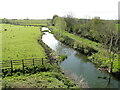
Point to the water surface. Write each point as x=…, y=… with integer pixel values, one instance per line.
x=77, y=63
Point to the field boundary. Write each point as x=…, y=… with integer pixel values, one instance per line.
x=11, y=64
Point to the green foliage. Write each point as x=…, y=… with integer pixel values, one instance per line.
x=101, y=36
x=93, y=29
x=39, y=80
x=49, y=76
x=62, y=57
x=60, y=23
x=45, y=31
x=95, y=51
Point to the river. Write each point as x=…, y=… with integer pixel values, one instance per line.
x=77, y=64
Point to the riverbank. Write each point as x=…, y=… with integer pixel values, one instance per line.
x=48, y=75
x=77, y=67
x=95, y=52
x=54, y=60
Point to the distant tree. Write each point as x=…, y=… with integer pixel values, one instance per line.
x=71, y=21
x=5, y=20
x=60, y=23
x=55, y=16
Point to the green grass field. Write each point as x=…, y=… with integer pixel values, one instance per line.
x=43, y=22
x=20, y=42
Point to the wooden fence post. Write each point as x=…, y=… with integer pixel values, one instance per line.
x=34, y=65
x=33, y=62
x=11, y=67
x=42, y=62
x=23, y=65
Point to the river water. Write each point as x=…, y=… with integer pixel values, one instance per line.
x=77, y=64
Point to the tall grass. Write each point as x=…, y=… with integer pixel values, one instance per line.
x=78, y=79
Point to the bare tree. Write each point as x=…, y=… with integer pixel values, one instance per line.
x=110, y=39
x=71, y=21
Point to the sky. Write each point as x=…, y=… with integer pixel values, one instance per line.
x=45, y=9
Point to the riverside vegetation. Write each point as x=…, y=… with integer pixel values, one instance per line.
x=84, y=35
x=22, y=42
x=97, y=39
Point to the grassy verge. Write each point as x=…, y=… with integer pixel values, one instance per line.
x=95, y=51
x=21, y=42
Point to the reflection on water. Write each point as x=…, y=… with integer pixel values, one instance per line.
x=77, y=63
x=50, y=41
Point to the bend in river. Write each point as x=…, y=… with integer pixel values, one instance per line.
x=77, y=63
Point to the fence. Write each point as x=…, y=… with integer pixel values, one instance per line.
x=15, y=64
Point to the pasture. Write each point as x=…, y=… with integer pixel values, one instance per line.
x=20, y=42
x=25, y=22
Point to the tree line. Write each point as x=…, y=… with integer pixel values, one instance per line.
x=98, y=30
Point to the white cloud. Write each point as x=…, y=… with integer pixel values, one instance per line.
x=39, y=9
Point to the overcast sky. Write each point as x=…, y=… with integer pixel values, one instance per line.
x=45, y=9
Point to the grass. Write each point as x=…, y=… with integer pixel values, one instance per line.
x=101, y=58
x=96, y=46
x=28, y=21
x=53, y=77
x=20, y=42
x=0, y=54
x=0, y=42
x=39, y=80
x=117, y=26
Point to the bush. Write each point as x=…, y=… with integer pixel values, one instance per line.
x=62, y=57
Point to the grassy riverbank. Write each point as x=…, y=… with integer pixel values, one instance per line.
x=21, y=42
x=39, y=80
x=95, y=51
